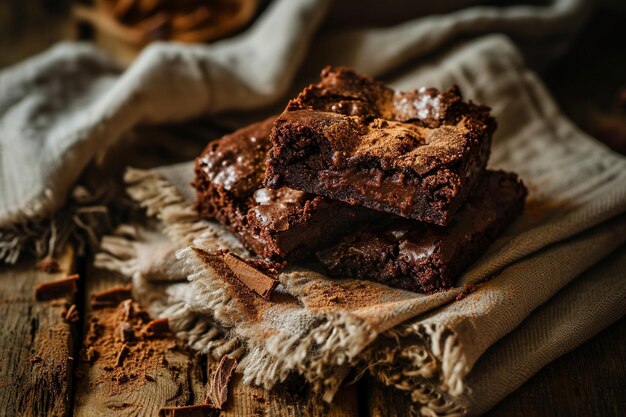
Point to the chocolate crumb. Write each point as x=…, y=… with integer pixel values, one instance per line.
x=92, y=354
x=121, y=355
x=111, y=297
x=49, y=265
x=57, y=288
x=468, y=289
x=201, y=410
x=149, y=378
x=127, y=309
x=125, y=333
x=71, y=314
x=252, y=278
x=217, y=387
x=157, y=327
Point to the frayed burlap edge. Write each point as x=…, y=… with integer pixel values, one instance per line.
x=322, y=354
x=79, y=223
x=165, y=298
x=424, y=360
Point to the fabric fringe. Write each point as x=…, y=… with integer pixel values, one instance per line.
x=424, y=360
x=117, y=252
x=321, y=353
x=180, y=220
x=79, y=223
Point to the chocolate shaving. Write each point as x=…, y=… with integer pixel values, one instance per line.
x=121, y=355
x=71, y=314
x=250, y=277
x=49, y=265
x=125, y=333
x=200, y=410
x=57, y=288
x=127, y=309
x=110, y=297
x=217, y=387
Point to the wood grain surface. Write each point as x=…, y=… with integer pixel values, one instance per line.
x=177, y=380
x=36, y=344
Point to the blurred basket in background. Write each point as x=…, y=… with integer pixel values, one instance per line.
x=124, y=27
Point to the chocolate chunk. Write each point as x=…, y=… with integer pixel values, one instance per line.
x=250, y=277
x=217, y=388
x=157, y=327
x=415, y=154
x=71, y=314
x=111, y=297
x=125, y=333
x=57, y=288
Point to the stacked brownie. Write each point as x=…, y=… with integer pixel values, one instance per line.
x=397, y=177
x=275, y=224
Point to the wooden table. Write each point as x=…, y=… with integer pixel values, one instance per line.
x=40, y=373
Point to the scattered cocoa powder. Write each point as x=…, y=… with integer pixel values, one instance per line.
x=49, y=265
x=124, y=344
x=348, y=294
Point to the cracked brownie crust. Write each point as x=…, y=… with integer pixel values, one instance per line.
x=425, y=258
x=416, y=154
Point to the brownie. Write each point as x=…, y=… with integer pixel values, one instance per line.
x=415, y=154
x=422, y=257
x=275, y=224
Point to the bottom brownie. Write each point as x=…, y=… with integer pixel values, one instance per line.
x=425, y=258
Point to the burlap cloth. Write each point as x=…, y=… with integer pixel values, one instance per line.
x=548, y=290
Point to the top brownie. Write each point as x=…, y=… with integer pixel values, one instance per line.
x=416, y=154
x=275, y=224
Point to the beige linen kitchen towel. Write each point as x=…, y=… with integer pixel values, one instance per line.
x=432, y=346
x=61, y=108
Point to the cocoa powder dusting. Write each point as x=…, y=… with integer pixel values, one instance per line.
x=348, y=294
x=126, y=346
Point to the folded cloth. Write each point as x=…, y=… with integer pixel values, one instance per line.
x=59, y=109
x=442, y=348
